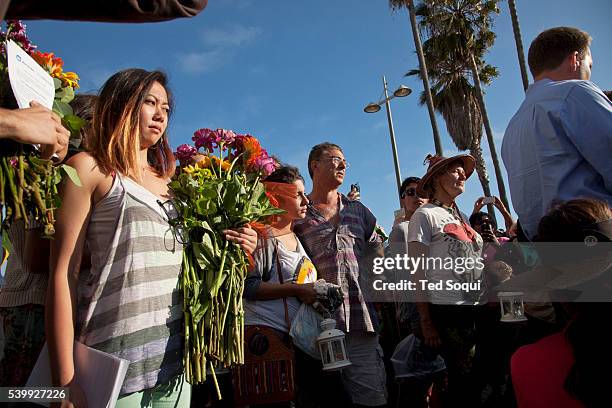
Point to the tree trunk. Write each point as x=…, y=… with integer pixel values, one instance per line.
x=481, y=170
x=424, y=77
x=485, y=119
x=516, y=27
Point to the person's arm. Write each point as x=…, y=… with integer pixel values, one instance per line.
x=35, y=125
x=420, y=234
x=504, y=212
x=66, y=251
x=112, y=11
x=428, y=328
x=304, y=291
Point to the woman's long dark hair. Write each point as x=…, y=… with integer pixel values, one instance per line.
x=114, y=140
x=588, y=332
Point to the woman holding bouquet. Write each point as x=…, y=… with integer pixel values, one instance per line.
x=128, y=303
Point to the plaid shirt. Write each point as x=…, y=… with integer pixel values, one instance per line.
x=337, y=251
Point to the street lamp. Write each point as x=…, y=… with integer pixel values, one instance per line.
x=374, y=107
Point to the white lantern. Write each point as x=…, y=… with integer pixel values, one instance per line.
x=512, y=308
x=331, y=346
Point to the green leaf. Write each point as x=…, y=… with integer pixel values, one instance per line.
x=62, y=108
x=65, y=94
x=73, y=123
x=57, y=83
x=6, y=242
x=72, y=174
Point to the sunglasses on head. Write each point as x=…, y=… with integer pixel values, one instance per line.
x=409, y=192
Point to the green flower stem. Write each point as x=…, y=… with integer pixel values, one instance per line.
x=2, y=181
x=212, y=370
x=11, y=182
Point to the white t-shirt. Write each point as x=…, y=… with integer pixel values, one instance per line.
x=454, y=255
x=272, y=312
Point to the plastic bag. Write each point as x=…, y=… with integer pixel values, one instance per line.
x=305, y=329
x=411, y=360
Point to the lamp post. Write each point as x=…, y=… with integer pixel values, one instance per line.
x=374, y=107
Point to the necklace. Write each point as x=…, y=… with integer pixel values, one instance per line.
x=450, y=208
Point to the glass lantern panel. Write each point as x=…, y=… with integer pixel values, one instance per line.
x=507, y=311
x=338, y=350
x=325, y=352
x=517, y=307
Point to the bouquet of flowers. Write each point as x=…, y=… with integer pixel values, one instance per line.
x=28, y=183
x=213, y=193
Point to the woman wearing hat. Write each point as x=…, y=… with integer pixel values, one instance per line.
x=448, y=283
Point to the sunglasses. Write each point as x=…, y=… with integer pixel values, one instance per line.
x=409, y=192
x=175, y=221
x=337, y=160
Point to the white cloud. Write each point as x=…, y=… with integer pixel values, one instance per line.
x=204, y=61
x=219, y=48
x=232, y=36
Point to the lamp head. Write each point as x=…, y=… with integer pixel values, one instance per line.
x=372, y=108
x=402, y=91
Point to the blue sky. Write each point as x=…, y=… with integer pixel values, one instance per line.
x=298, y=73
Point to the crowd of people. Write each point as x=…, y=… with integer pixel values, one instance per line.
x=109, y=277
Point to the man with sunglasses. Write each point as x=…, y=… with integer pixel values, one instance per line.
x=339, y=236
x=409, y=202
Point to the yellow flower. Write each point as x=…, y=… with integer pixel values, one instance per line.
x=69, y=79
x=189, y=169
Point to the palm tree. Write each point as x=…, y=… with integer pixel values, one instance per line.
x=458, y=35
x=516, y=27
x=409, y=4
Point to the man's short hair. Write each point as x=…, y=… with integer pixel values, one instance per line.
x=407, y=181
x=317, y=151
x=552, y=46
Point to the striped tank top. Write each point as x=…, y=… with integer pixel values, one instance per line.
x=129, y=304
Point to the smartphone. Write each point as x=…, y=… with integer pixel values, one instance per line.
x=488, y=200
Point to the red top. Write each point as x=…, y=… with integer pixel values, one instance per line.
x=539, y=371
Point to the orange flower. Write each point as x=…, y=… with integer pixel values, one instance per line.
x=54, y=66
x=204, y=163
x=48, y=61
x=251, y=149
x=225, y=165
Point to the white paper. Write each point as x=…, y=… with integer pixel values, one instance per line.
x=29, y=81
x=100, y=375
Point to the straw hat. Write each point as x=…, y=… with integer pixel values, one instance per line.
x=438, y=163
